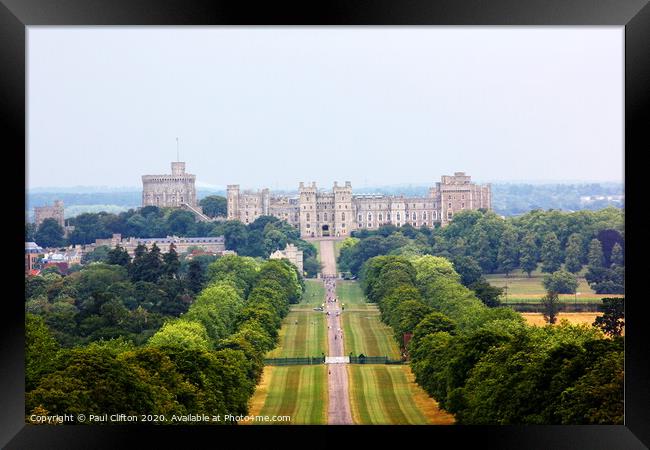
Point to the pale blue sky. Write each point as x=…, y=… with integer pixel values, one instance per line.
x=274, y=106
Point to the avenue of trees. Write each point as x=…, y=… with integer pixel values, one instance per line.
x=205, y=359
x=480, y=242
x=485, y=365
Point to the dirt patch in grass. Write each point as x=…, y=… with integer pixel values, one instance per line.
x=256, y=402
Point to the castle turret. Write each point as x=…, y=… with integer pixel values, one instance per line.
x=233, y=201
x=343, y=215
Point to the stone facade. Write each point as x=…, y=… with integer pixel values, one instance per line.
x=49, y=212
x=339, y=212
x=174, y=190
x=291, y=253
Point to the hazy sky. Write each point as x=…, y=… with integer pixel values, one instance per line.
x=274, y=106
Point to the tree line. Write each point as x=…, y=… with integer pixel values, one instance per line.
x=204, y=361
x=260, y=238
x=481, y=242
x=485, y=365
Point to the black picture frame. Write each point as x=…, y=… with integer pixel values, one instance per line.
x=16, y=15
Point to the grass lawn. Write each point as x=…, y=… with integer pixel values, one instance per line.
x=306, y=338
x=337, y=248
x=524, y=289
x=363, y=329
x=384, y=395
x=350, y=293
x=296, y=391
x=317, y=245
x=314, y=293
x=365, y=333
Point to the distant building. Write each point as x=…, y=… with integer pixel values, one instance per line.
x=33, y=255
x=175, y=190
x=339, y=212
x=216, y=245
x=49, y=212
x=291, y=253
x=171, y=190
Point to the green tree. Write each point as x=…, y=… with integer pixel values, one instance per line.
x=551, y=256
x=118, y=256
x=181, y=333
x=171, y=262
x=508, y=254
x=613, y=319
x=181, y=223
x=40, y=349
x=488, y=294
x=561, y=281
x=99, y=254
x=468, y=269
x=529, y=254
x=617, y=255
x=49, y=234
x=573, y=259
x=595, y=256
x=195, y=277
x=551, y=303
x=214, y=206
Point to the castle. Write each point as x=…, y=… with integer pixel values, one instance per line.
x=339, y=212
x=175, y=190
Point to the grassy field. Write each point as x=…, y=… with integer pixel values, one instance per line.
x=362, y=327
x=317, y=245
x=314, y=293
x=384, y=395
x=337, y=248
x=522, y=289
x=296, y=391
x=307, y=337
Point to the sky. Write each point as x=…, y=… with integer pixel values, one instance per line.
x=273, y=106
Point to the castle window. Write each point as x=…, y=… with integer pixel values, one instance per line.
x=325, y=217
x=343, y=216
x=360, y=218
x=424, y=216
x=369, y=217
x=308, y=217
x=435, y=215
x=450, y=205
x=414, y=216
x=449, y=215
x=462, y=205
x=399, y=217
x=381, y=217
x=317, y=217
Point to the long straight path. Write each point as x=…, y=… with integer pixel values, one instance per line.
x=339, y=398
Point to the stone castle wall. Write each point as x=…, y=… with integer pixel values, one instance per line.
x=339, y=212
x=171, y=190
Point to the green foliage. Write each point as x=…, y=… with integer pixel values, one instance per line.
x=529, y=254
x=574, y=254
x=240, y=270
x=40, y=349
x=99, y=254
x=613, y=319
x=551, y=256
x=214, y=206
x=561, y=282
x=595, y=257
x=183, y=334
x=49, y=234
x=488, y=294
x=551, y=304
